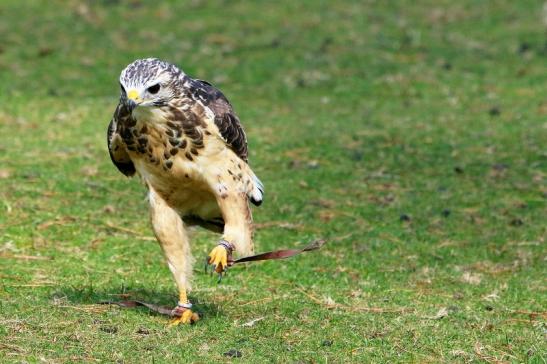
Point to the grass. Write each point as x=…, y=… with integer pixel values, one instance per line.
x=411, y=135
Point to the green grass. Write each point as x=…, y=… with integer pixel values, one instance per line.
x=411, y=135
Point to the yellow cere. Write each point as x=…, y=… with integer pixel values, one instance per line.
x=133, y=95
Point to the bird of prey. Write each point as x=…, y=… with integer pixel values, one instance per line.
x=182, y=136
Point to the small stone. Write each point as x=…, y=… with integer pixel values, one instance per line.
x=458, y=170
x=404, y=217
x=500, y=166
x=143, y=331
x=524, y=47
x=313, y=164
x=233, y=353
x=326, y=343
x=357, y=155
x=275, y=43
x=109, y=329
x=494, y=111
x=44, y=51
x=446, y=213
x=516, y=222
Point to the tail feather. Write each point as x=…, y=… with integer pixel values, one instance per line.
x=257, y=194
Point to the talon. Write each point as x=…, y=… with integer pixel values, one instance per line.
x=187, y=317
x=219, y=258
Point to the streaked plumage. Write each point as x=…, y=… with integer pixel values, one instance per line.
x=184, y=139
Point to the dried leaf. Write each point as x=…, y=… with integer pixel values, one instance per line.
x=326, y=215
x=491, y=296
x=471, y=278
x=329, y=301
x=89, y=171
x=5, y=173
x=252, y=322
x=443, y=312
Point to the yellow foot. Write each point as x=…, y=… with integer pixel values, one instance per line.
x=187, y=317
x=220, y=258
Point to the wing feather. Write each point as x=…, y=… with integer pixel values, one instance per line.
x=226, y=119
x=118, y=154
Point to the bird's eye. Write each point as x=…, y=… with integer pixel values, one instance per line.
x=154, y=88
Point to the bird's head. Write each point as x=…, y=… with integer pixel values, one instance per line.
x=149, y=82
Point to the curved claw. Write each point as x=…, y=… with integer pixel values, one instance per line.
x=187, y=317
x=220, y=275
x=218, y=259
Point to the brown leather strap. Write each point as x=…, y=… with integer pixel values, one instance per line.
x=163, y=310
x=282, y=254
x=178, y=310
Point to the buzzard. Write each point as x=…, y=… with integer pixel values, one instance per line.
x=182, y=136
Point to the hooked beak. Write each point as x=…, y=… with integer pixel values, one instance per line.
x=133, y=99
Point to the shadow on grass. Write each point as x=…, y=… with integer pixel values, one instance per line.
x=90, y=295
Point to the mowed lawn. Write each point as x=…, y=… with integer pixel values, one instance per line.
x=409, y=135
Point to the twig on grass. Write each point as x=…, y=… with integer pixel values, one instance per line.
x=25, y=257
x=15, y=348
x=41, y=284
x=331, y=305
x=281, y=224
x=516, y=321
x=532, y=314
x=57, y=221
x=88, y=308
x=340, y=238
x=478, y=348
x=265, y=299
x=129, y=231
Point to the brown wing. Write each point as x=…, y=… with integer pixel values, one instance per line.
x=118, y=154
x=225, y=118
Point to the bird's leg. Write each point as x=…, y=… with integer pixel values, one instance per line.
x=237, y=231
x=184, y=310
x=169, y=230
